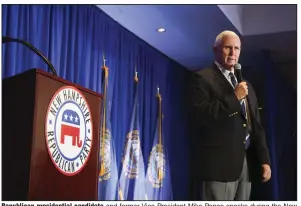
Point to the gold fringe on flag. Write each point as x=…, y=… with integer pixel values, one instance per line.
x=120, y=193
x=160, y=145
x=103, y=130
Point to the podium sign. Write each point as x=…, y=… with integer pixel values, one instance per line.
x=50, y=139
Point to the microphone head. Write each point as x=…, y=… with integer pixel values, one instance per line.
x=237, y=66
x=237, y=71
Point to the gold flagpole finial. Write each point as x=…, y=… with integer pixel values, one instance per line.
x=104, y=67
x=158, y=93
x=136, y=75
x=103, y=59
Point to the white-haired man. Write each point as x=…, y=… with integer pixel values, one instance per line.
x=230, y=142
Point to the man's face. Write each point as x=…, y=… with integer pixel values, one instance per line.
x=227, y=53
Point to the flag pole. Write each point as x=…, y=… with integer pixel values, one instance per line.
x=160, y=145
x=159, y=115
x=106, y=74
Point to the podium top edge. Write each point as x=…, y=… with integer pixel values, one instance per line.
x=57, y=78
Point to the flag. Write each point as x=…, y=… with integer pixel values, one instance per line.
x=158, y=181
x=131, y=181
x=108, y=174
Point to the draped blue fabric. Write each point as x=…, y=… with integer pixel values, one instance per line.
x=75, y=38
x=271, y=113
x=278, y=98
x=281, y=127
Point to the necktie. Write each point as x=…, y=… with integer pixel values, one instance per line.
x=243, y=108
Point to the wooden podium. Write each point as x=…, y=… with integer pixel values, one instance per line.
x=28, y=172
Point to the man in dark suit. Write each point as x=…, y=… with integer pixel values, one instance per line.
x=230, y=145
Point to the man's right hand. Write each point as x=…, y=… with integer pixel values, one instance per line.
x=241, y=90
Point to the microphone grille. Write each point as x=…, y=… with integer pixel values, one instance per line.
x=237, y=66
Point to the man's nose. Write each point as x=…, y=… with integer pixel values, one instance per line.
x=231, y=51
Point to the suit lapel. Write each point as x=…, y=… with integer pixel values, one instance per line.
x=225, y=85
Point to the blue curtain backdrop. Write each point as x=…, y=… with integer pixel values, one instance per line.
x=278, y=99
x=75, y=38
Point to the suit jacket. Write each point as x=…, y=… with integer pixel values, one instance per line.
x=220, y=129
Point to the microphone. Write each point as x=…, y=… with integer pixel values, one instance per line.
x=6, y=39
x=238, y=75
x=237, y=68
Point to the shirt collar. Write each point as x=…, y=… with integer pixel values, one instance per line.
x=223, y=70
